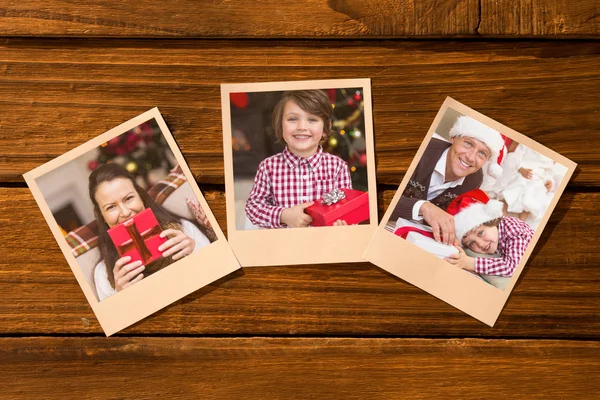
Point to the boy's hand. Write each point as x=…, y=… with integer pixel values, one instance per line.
x=340, y=222
x=462, y=260
x=294, y=217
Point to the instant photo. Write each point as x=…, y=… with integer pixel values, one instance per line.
x=469, y=211
x=299, y=171
x=131, y=221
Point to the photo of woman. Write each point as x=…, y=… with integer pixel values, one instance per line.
x=131, y=221
x=106, y=188
x=117, y=198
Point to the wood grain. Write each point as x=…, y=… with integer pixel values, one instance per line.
x=539, y=18
x=556, y=296
x=270, y=18
x=289, y=19
x=328, y=368
x=70, y=70
x=56, y=95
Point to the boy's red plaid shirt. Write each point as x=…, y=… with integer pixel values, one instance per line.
x=286, y=180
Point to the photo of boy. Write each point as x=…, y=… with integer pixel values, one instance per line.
x=292, y=180
x=299, y=154
x=292, y=151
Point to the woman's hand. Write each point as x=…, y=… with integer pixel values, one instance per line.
x=462, y=260
x=340, y=222
x=126, y=273
x=179, y=244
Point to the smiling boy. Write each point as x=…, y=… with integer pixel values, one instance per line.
x=290, y=181
x=482, y=228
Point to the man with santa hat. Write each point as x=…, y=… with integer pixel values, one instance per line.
x=447, y=170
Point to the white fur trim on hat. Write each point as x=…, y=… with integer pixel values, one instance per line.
x=494, y=170
x=475, y=215
x=467, y=126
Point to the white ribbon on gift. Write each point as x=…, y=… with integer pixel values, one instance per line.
x=333, y=197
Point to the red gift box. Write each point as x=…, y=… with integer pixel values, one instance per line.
x=353, y=209
x=138, y=237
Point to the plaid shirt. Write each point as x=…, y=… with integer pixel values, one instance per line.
x=514, y=236
x=286, y=180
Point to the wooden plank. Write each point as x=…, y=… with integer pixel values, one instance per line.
x=56, y=95
x=267, y=18
x=538, y=18
x=556, y=297
x=265, y=368
x=279, y=19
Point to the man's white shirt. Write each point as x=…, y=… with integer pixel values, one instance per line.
x=437, y=184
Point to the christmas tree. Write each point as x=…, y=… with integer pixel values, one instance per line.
x=141, y=150
x=348, y=141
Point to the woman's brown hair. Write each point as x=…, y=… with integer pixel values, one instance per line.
x=312, y=101
x=108, y=251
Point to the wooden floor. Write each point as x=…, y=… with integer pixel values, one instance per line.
x=70, y=70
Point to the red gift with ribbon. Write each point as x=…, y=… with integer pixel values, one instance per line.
x=349, y=205
x=138, y=237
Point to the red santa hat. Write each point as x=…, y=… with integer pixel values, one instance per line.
x=469, y=127
x=472, y=209
x=494, y=169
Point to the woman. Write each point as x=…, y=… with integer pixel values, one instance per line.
x=116, y=198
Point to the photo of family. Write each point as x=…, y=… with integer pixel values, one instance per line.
x=297, y=155
x=126, y=209
x=308, y=144
x=131, y=221
x=476, y=198
x=469, y=211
